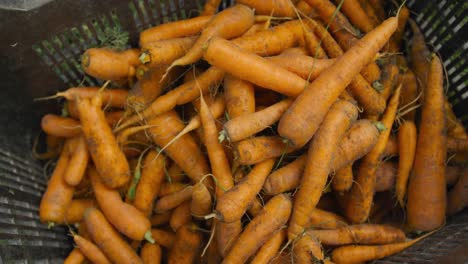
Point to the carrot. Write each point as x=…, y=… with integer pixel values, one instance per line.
x=173, y=200
x=360, y=254
x=375, y=7
x=226, y=235
x=160, y=219
x=452, y=174
x=176, y=174
x=319, y=162
x=184, y=152
x=358, y=16
x=151, y=253
x=60, y=126
x=305, y=66
x=307, y=249
x=360, y=197
x=110, y=97
x=58, y=195
x=149, y=185
x=164, y=238
x=298, y=125
x=271, y=247
x=180, y=216
x=219, y=162
x=109, y=64
x=427, y=184
x=109, y=160
x=90, y=250
x=407, y=137
x=108, y=239
x=210, y=7
x=359, y=234
x=303, y=8
x=176, y=29
x=457, y=144
x=247, y=125
x=239, y=96
x=321, y=219
x=397, y=38
x=75, y=257
x=389, y=80
x=125, y=217
x=329, y=13
x=229, y=23
x=164, y=52
x=312, y=44
x=232, y=205
x=457, y=197
x=280, y=8
x=409, y=93
x=201, y=201
x=343, y=179
x=169, y=188
x=419, y=54
x=391, y=148
x=274, y=215
x=385, y=176
x=77, y=163
x=76, y=209
x=255, y=150
x=186, y=245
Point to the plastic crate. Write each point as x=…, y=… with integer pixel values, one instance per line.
x=40, y=45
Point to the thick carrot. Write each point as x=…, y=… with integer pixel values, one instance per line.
x=307, y=249
x=419, y=54
x=165, y=51
x=60, y=126
x=125, y=217
x=274, y=215
x=176, y=29
x=360, y=197
x=426, y=190
x=457, y=197
x=271, y=247
x=232, y=205
x=254, y=150
x=164, y=238
x=149, y=184
x=160, y=219
x=226, y=235
x=180, y=216
x=77, y=163
x=397, y=38
x=75, y=257
x=151, y=253
x=357, y=15
x=281, y=8
x=389, y=80
x=76, y=209
x=90, y=250
x=343, y=179
x=108, y=158
x=173, y=200
x=360, y=254
x=184, y=152
x=319, y=162
x=385, y=176
x=285, y=178
x=247, y=125
x=58, y=195
x=229, y=23
x=407, y=137
x=321, y=219
x=367, y=234
x=108, y=239
x=239, y=96
x=169, y=188
x=108, y=64
x=201, y=201
x=210, y=7
x=186, y=245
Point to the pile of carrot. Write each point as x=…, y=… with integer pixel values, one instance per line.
x=272, y=131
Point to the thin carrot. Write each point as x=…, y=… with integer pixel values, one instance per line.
x=186, y=245
x=164, y=238
x=407, y=137
x=76, y=209
x=397, y=38
x=164, y=52
x=254, y=150
x=173, y=200
x=376, y=7
x=75, y=257
x=312, y=44
x=125, y=217
x=151, y=254
x=201, y=201
x=176, y=174
x=108, y=64
x=90, y=250
x=280, y=8
x=169, y=188
x=274, y=215
x=60, y=126
x=389, y=80
x=108, y=239
x=160, y=219
x=226, y=235
x=78, y=162
x=322, y=219
x=239, y=96
x=319, y=162
x=307, y=249
x=176, y=29
x=360, y=197
x=358, y=16
x=426, y=190
x=229, y=23
x=210, y=7
x=271, y=247
x=305, y=66
x=343, y=179
x=180, y=216
x=329, y=13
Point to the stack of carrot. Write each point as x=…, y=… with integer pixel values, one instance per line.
x=273, y=131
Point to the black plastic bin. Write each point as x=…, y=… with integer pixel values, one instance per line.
x=40, y=45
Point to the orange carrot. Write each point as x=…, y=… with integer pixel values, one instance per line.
x=239, y=96
x=76, y=209
x=407, y=137
x=305, y=66
x=320, y=219
x=298, y=125
x=343, y=179
x=60, y=126
x=312, y=44
x=176, y=29
x=397, y=38
x=108, y=64
x=303, y=7
x=173, y=200
x=247, y=125
x=151, y=253
x=109, y=160
x=169, y=188
x=232, y=205
x=176, y=174
x=186, y=245
x=254, y=150
x=271, y=7
x=149, y=184
x=226, y=235
x=201, y=201
x=126, y=218
x=329, y=13
x=108, y=239
x=419, y=54
x=274, y=215
x=318, y=163
x=164, y=238
x=457, y=144
x=426, y=190
x=358, y=16
x=374, y=7
x=160, y=219
x=229, y=23
x=360, y=197
x=271, y=247
x=409, y=93
x=307, y=249
x=385, y=176
x=77, y=163
x=391, y=148
x=90, y=250
x=164, y=52
x=75, y=257
x=180, y=216
x=210, y=7
x=389, y=80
